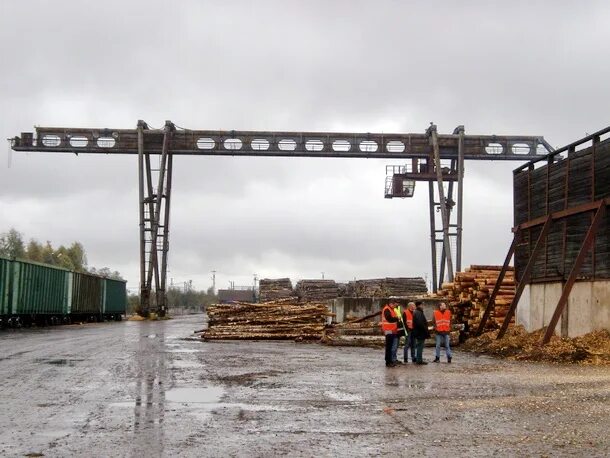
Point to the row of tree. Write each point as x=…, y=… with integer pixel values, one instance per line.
x=72, y=257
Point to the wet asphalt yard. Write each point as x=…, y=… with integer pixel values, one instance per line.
x=149, y=389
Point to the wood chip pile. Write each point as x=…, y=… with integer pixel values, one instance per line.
x=274, y=289
x=469, y=293
x=386, y=287
x=283, y=319
x=317, y=290
x=590, y=349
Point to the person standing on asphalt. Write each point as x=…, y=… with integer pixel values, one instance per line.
x=442, y=325
x=389, y=327
x=420, y=331
x=407, y=318
x=401, y=332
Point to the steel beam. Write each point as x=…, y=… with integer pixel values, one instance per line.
x=288, y=144
x=582, y=208
x=442, y=202
x=449, y=211
x=567, y=288
x=432, y=236
x=162, y=308
x=460, y=193
x=144, y=291
x=526, y=275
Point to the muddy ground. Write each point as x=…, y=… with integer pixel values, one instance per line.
x=144, y=389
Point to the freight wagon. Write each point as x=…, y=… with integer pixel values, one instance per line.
x=32, y=292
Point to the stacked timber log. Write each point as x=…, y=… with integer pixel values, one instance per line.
x=283, y=319
x=274, y=289
x=386, y=287
x=317, y=290
x=469, y=293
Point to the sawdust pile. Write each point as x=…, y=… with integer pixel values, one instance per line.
x=590, y=349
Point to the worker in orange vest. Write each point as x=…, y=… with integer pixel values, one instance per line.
x=389, y=327
x=442, y=325
x=407, y=318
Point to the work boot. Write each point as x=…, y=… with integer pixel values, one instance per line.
x=390, y=364
x=437, y=360
x=449, y=359
x=422, y=362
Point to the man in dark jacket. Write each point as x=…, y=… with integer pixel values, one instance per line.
x=420, y=331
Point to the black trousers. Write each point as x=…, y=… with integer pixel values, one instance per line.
x=420, y=349
x=389, y=341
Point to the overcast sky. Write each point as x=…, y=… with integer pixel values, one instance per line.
x=506, y=68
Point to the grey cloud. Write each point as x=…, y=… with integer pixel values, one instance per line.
x=519, y=68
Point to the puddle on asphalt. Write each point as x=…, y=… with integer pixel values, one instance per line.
x=200, y=401
x=342, y=396
x=59, y=362
x=180, y=364
x=195, y=395
x=183, y=350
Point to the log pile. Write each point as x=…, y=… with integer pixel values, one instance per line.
x=386, y=287
x=273, y=289
x=317, y=290
x=469, y=293
x=283, y=319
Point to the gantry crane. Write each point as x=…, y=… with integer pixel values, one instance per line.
x=428, y=152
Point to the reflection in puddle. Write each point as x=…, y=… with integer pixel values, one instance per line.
x=194, y=395
x=59, y=362
x=198, y=400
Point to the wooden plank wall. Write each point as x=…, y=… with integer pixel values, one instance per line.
x=554, y=187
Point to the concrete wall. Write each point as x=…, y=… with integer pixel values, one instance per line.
x=361, y=307
x=588, y=307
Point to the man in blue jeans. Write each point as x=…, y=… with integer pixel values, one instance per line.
x=442, y=325
x=398, y=310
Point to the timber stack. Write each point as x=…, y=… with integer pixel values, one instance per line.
x=317, y=290
x=278, y=320
x=271, y=289
x=468, y=295
x=387, y=287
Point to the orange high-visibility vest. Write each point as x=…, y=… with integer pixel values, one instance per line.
x=409, y=314
x=386, y=325
x=442, y=320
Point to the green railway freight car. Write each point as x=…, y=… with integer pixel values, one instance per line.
x=115, y=299
x=32, y=292
x=87, y=297
x=5, y=278
x=39, y=292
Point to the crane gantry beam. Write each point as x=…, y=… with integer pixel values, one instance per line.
x=425, y=151
x=287, y=144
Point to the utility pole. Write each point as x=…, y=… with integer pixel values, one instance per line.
x=213, y=282
x=322, y=275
